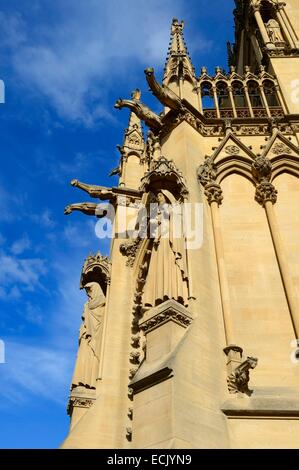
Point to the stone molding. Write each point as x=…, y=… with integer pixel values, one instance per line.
x=163, y=313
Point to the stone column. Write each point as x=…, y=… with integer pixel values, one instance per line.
x=284, y=27
x=262, y=27
x=248, y=101
x=286, y=20
x=233, y=352
x=231, y=96
x=280, y=99
x=266, y=195
x=198, y=91
x=264, y=99
x=216, y=101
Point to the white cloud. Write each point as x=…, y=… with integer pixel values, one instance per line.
x=20, y=245
x=33, y=313
x=36, y=370
x=79, y=234
x=90, y=49
x=24, y=273
x=44, y=219
x=11, y=205
x=12, y=30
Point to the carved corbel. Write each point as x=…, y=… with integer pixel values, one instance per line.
x=213, y=193
x=164, y=94
x=135, y=357
x=238, y=380
x=262, y=169
x=206, y=173
x=130, y=249
x=265, y=192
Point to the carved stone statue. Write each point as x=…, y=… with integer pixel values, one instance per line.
x=167, y=276
x=274, y=32
x=90, y=338
x=151, y=119
x=239, y=379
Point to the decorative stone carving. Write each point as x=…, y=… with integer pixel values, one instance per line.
x=280, y=148
x=232, y=150
x=130, y=249
x=88, y=208
x=134, y=357
x=96, y=268
x=206, y=173
x=90, y=339
x=160, y=315
x=151, y=119
x=213, y=193
x=129, y=434
x=261, y=169
x=130, y=413
x=166, y=170
x=168, y=248
x=164, y=94
x=274, y=33
x=99, y=192
x=130, y=393
x=79, y=402
x=135, y=341
x=265, y=192
x=239, y=379
x=133, y=371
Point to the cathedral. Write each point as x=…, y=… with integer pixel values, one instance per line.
x=190, y=331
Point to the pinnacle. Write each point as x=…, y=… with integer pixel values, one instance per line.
x=177, y=54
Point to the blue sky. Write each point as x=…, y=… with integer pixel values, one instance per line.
x=64, y=63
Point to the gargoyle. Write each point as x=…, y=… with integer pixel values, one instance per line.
x=164, y=94
x=151, y=119
x=88, y=208
x=99, y=192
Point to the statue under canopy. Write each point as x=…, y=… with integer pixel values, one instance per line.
x=167, y=276
x=90, y=339
x=274, y=32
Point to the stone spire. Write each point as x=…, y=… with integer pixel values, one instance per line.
x=134, y=139
x=178, y=62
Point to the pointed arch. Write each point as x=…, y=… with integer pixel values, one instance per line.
x=234, y=165
x=285, y=164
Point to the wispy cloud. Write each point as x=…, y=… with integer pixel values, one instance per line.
x=45, y=219
x=24, y=273
x=2, y=239
x=37, y=370
x=11, y=205
x=20, y=245
x=78, y=234
x=77, y=61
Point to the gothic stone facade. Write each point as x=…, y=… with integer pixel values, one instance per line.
x=195, y=346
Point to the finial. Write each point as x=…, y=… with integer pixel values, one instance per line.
x=136, y=94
